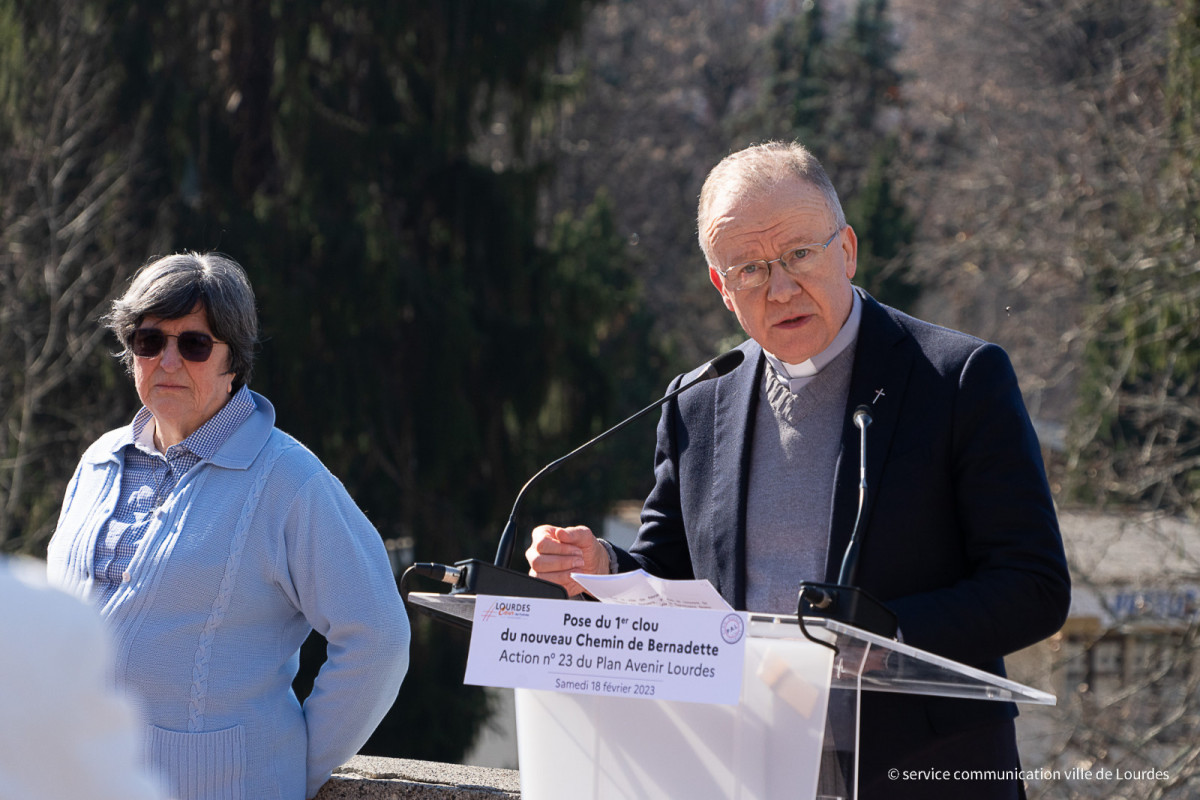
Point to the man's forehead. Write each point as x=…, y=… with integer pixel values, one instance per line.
x=791, y=210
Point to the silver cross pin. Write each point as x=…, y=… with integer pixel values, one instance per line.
x=878, y=394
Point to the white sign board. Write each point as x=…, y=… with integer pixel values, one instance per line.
x=603, y=649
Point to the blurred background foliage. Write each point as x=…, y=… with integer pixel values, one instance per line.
x=470, y=227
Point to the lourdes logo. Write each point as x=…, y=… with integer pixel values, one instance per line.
x=507, y=609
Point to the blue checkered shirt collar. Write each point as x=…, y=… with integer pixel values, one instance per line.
x=206, y=440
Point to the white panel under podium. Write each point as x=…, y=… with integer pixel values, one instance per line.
x=607, y=748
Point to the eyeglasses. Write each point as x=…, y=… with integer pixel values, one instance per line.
x=797, y=262
x=193, y=345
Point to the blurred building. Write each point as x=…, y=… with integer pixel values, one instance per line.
x=1126, y=665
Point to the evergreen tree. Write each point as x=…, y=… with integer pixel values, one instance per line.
x=796, y=92
x=831, y=92
x=377, y=168
x=885, y=230
x=1138, y=442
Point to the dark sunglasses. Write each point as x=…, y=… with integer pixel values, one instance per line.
x=193, y=345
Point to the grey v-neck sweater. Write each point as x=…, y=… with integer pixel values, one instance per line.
x=792, y=460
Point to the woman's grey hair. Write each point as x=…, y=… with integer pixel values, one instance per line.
x=757, y=170
x=172, y=286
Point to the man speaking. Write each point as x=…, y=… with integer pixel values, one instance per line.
x=756, y=472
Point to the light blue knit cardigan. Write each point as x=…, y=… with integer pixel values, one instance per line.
x=252, y=549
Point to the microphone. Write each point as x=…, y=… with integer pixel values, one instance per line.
x=862, y=418
x=474, y=576
x=843, y=601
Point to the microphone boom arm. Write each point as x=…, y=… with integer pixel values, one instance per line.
x=862, y=419
x=476, y=577
x=508, y=538
x=844, y=601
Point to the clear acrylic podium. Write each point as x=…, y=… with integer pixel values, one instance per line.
x=589, y=746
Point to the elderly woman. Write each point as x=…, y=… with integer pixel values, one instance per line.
x=213, y=543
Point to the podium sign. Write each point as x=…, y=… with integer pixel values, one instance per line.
x=611, y=650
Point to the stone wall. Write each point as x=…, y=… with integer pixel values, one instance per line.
x=402, y=779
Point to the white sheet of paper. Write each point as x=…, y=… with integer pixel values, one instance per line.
x=640, y=588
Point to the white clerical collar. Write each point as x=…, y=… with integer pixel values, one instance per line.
x=797, y=375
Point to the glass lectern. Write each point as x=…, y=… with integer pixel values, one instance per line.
x=598, y=747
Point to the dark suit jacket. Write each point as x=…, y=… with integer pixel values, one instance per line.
x=960, y=537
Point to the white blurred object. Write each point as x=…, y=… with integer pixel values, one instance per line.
x=64, y=731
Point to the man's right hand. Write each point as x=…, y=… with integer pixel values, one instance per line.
x=557, y=552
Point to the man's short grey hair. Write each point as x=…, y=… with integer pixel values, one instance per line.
x=172, y=286
x=757, y=170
